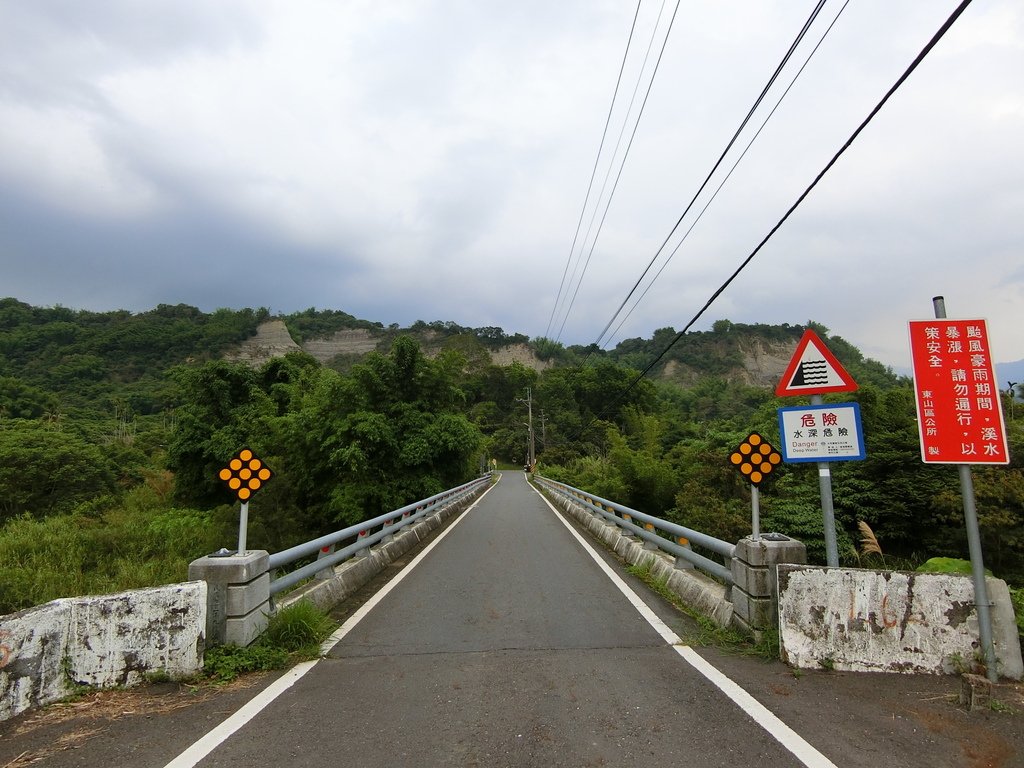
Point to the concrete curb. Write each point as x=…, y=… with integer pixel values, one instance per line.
x=351, y=575
x=705, y=595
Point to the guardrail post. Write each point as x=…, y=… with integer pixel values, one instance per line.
x=327, y=573
x=755, y=591
x=681, y=562
x=363, y=534
x=237, y=596
x=649, y=527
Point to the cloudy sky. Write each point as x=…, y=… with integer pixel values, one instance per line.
x=429, y=159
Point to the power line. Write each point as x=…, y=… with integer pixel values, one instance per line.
x=622, y=164
x=750, y=113
x=727, y=176
x=593, y=173
x=828, y=166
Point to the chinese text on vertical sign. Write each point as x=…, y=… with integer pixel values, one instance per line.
x=959, y=415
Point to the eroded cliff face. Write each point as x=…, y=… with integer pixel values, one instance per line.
x=358, y=341
x=273, y=340
x=519, y=353
x=765, y=362
x=755, y=362
x=760, y=364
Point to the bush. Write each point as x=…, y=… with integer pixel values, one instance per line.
x=299, y=628
x=224, y=663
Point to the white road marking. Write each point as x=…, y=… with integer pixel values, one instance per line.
x=759, y=713
x=204, y=746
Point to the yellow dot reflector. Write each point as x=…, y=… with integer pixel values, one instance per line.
x=755, y=458
x=245, y=474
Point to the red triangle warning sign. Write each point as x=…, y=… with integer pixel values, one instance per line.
x=814, y=370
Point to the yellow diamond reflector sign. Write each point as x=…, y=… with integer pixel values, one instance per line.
x=755, y=458
x=245, y=474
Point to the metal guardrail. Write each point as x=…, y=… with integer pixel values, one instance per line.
x=623, y=517
x=390, y=523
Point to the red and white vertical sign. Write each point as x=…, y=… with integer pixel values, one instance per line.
x=959, y=415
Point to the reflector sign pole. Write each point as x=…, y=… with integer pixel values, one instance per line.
x=244, y=475
x=755, y=458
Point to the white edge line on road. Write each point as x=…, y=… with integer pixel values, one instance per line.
x=759, y=713
x=204, y=746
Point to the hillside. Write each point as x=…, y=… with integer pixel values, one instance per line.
x=56, y=359
x=752, y=355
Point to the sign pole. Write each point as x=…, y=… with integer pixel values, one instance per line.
x=243, y=526
x=828, y=513
x=755, y=513
x=974, y=548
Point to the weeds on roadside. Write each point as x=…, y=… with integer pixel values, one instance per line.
x=293, y=634
x=708, y=632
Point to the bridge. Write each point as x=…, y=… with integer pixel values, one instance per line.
x=511, y=639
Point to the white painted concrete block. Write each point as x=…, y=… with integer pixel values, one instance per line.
x=886, y=621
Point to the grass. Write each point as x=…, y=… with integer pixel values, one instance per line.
x=708, y=632
x=139, y=542
x=293, y=634
x=1017, y=598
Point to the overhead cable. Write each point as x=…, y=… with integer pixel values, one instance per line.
x=593, y=173
x=828, y=166
x=622, y=163
x=724, y=180
x=750, y=113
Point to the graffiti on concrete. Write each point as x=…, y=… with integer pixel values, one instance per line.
x=6, y=654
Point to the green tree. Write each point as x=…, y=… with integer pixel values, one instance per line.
x=43, y=471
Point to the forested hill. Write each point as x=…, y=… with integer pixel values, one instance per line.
x=754, y=355
x=114, y=425
x=57, y=359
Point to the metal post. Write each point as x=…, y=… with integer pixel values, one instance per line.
x=531, y=457
x=243, y=525
x=755, y=512
x=828, y=513
x=974, y=548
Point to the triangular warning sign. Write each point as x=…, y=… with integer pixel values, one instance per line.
x=814, y=370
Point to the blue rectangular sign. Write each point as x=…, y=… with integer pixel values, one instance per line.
x=821, y=433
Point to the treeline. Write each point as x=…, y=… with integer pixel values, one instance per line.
x=109, y=480
x=86, y=508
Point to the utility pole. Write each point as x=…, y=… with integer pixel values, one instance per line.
x=543, y=430
x=531, y=457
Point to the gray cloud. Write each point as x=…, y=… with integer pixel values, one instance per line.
x=428, y=160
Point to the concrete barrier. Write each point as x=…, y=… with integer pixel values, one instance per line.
x=354, y=573
x=700, y=592
x=105, y=641
x=889, y=621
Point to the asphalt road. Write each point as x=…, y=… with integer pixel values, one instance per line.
x=507, y=643
x=506, y=646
